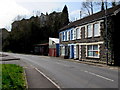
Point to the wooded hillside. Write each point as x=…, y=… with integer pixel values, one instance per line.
x=28, y=32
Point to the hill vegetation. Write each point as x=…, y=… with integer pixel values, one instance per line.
x=28, y=32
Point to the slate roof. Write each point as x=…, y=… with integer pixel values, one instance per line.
x=96, y=16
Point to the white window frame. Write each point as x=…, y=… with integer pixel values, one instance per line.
x=72, y=37
x=64, y=36
x=78, y=33
x=62, y=50
x=85, y=30
x=60, y=36
x=67, y=35
x=90, y=30
x=97, y=28
x=93, y=51
x=74, y=34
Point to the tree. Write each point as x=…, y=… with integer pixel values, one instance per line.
x=88, y=5
x=113, y=3
x=102, y=6
x=64, y=16
x=26, y=33
x=19, y=17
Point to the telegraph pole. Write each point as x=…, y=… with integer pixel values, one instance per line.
x=80, y=14
x=106, y=32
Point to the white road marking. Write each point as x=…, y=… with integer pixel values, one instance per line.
x=48, y=79
x=98, y=75
x=62, y=64
x=80, y=70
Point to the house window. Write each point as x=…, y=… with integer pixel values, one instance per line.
x=62, y=50
x=89, y=31
x=78, y=33
x=60, y=36
x=93, y=51
x=96, y=29
x=66, y=36
x=63, y=36
x=74, y=34
x=71, y=34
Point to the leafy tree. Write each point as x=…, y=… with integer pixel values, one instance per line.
x=26, y=33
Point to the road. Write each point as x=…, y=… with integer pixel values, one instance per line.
x=68, y=74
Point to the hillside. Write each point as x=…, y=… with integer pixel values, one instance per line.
x=28, y=32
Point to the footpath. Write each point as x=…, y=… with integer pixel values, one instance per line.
x=34, y=79
x=93, y=63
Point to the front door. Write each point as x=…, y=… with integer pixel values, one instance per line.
x=77, y=51
x=72, y=51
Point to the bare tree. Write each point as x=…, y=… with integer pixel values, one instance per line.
x=19, y=17
x=88, y=6
x=36, y=13
x=113, y=3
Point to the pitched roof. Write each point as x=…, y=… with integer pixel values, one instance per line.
x=43, y=44
x=56, y=40
x=92, y=17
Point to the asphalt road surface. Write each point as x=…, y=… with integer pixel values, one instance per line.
x=68, y=74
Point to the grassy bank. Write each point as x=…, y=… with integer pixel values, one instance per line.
x=0, y=76
x=12, y=77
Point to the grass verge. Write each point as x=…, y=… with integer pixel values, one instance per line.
x=0, y=77
x=13, y=77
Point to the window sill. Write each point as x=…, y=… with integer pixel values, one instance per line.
x=96, y=36
x=92, y=57
x=88, y=37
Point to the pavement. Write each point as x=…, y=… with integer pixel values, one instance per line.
x=4, y=57
x=90, y=63
x=34, y=79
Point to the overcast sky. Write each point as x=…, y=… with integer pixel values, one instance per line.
x=9, y=9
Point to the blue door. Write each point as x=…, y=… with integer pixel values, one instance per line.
x=72, y=51
x=57, y=50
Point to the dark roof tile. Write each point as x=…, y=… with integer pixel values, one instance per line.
x=92, y=17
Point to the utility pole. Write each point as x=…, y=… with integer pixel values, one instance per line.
x=80, y=14
x=106, y=32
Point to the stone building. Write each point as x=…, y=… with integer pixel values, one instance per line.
x=84, y=39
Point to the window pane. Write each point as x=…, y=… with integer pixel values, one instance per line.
x=95, y=53
x=95, y=47
x=90, y=53
x=74, y=34
x=77, y=32
x=71, y=34
x=89, y=31
x=96, y=29
x=65, y=36
x=90, y=47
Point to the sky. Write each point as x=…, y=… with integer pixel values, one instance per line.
x=9, y=9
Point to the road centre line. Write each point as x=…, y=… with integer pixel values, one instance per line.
x=48, y=79
x=80, y=70
x=98, y=75
x=92, y=74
